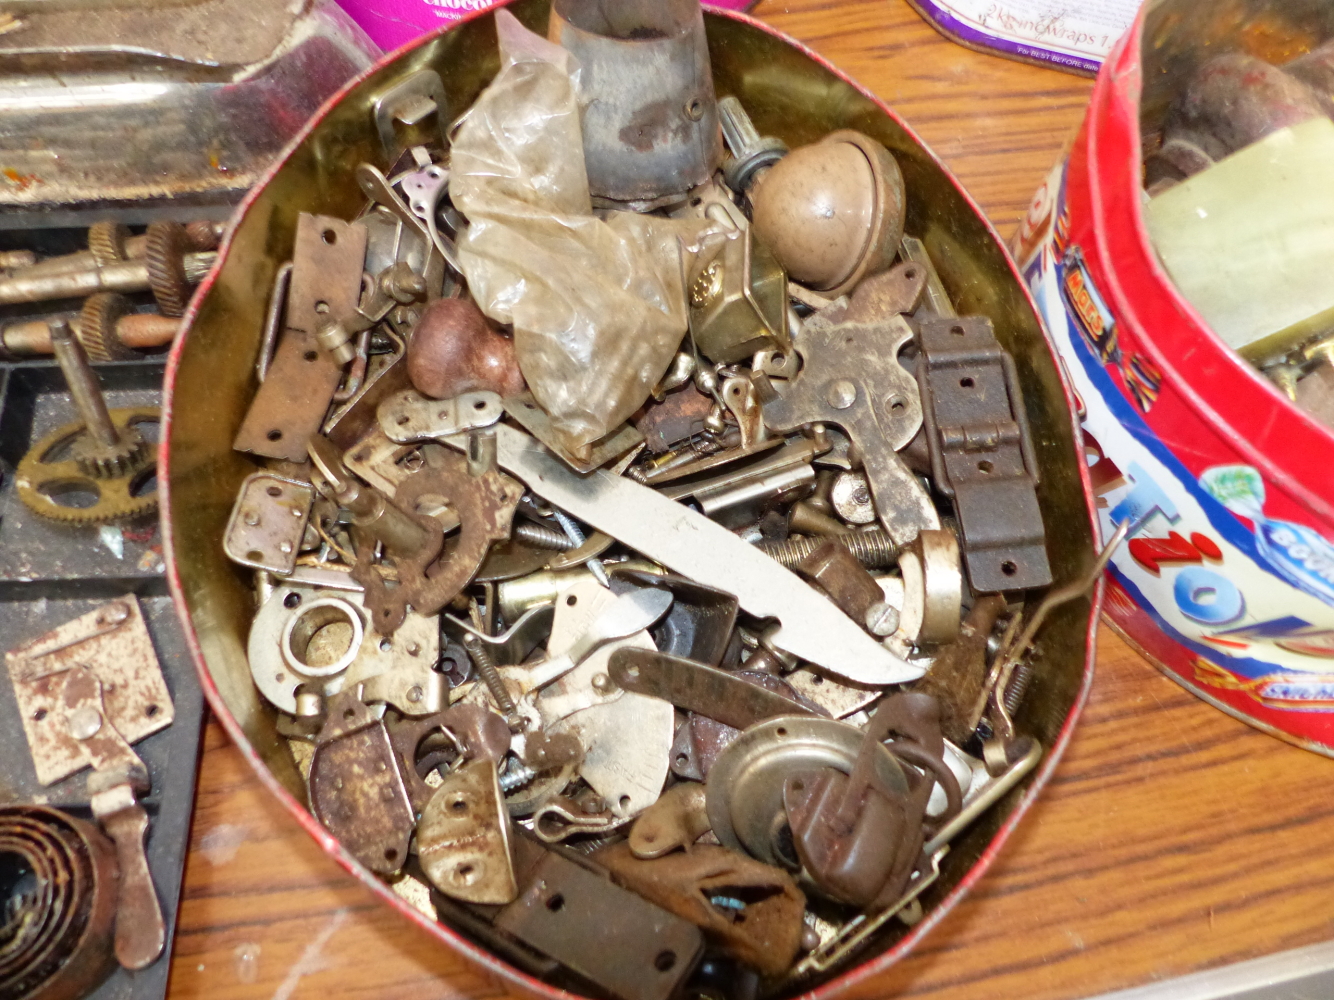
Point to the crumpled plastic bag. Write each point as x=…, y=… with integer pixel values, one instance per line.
x=597, y=303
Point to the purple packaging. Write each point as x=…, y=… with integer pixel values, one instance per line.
x=1073, y=35
x=392, y=23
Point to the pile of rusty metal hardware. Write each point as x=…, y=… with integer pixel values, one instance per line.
x=641, y=538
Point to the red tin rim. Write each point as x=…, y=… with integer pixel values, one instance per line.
x=490, y=962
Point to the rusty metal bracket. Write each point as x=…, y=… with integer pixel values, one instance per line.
x=982, y=452
x=697, y=687
x=678, y=819
x=615, y=939
x=485, y=505
x=851, y=377
x=357, y=788
x=326, y=284
x=751, y=911
x=114, y=644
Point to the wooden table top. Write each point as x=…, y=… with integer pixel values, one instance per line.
x=1172, y=838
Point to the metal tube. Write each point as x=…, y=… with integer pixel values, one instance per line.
x=127, y=276
x=83, y=385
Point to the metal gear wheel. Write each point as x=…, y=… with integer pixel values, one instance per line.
x=116, y=461
x=53, y=470
x=96, y=328
x=165, y=256
x=106, y=242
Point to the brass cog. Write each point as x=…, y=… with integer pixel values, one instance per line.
x=106, y=242
x=96, y=328
x=124, y=458
x=165, y=256
x=41, y=480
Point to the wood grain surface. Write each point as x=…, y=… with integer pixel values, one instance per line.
x=1172, y=838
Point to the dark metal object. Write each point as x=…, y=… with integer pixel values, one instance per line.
x=623, y=944
x=357, y=789
x=326, y=282
x=678, y=417
x=650, y=118
x=872, y=548
x=760, y=924
x=838, y=573
x=959, y=670
x=857, y=839
x=485, y=506
x=700, y=622
x=58, y=917
x=851, y=377
x=982, y=452
x=455, y=349
x=697, y=687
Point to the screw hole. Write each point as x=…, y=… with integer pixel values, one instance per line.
x=984, y=467
x=571, y=601
x=957, y=330
x=322, y=307
x=292, y=600
x=556, y=903
x=966, y=382
x=479, y=405
x=329, y=237
x=459, y=806
x=254, y=555
x=39, y=715
x=390, y=854
x=275, y=435
x=385, y=645
x=625, y=802
x=682, y=760
x=402, y=419
x=910, y=273
x=1009, y=568
x=310, y=355
x=664, y=961
x=274, y=491
x=151, y=711
x=798, y=786
x=780, y=731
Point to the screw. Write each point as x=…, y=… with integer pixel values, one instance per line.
x=486, y=667
x=882, y=619
x=594, y=565
x=541, y=537
x=872, y=548
x=516, y=776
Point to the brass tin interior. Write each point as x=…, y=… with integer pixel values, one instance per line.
x=790, y=94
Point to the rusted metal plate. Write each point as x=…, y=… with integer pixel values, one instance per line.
x=114, y=643
x=326, y=284
x=624, y=944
